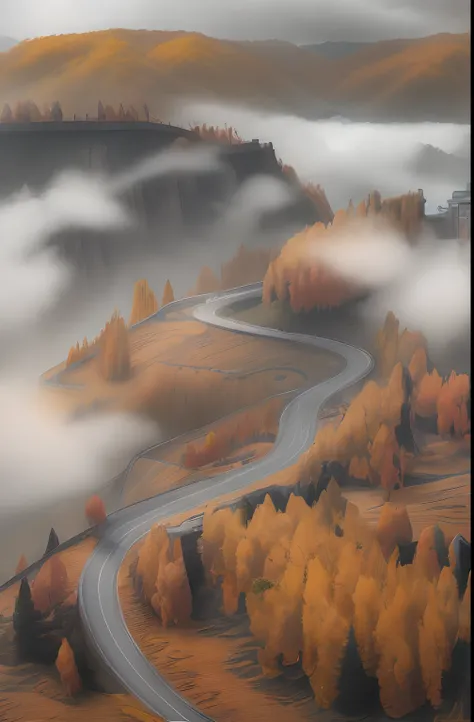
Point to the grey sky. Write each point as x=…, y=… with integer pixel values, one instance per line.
x=299, y=21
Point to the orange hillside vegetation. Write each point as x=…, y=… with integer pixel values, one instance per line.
x=221, y=135
x=446, y=400
x=160, y=577
x=66, y=666
x=393, y=346
x=232, y=434
x=95, y=510
x=50, y=586
x=168, y=294
x=246, y=266
x=25, y=111
x=114, y=356
x=314, y=192
x=390, y=79
x=144, y=302
x=364, y=441
x=328, y=583
x=300, y=276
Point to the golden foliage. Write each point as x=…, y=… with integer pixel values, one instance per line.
x=50, y=586
x=114, y=356
x=300, y=276
x=306, y=586
x=393, y=347
x=215, y=134
x=144, y=302
x=66, y=666
x=207, y=282
x=393, y=528
x=95, y=510
x=232, y=434
x=246, y=266
x=364, y=441
x=314, y=192
x=162, y=579
x=465, y=614
x=431, y=396
x=168, y=294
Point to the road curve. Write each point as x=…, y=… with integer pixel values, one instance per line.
x=98, y=600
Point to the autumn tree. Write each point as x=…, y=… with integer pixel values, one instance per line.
x=168, y=294
x=161, y=577
x=311, y=574
x=95, y=510
x=50, y=586
x=22, y=565
x=144, y=302
x=393, y=528
x=114, y=357
x=67, y=668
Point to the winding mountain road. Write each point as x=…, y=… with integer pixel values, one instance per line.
x=98, y=600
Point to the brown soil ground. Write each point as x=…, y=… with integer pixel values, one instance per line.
x=33, y=692
x=74, y=560
x=198, y=662
x=186, y=375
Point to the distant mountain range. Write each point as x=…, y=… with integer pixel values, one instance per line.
x=396, y=80
x=335, y=50
x=434, y=163
x=6, y=43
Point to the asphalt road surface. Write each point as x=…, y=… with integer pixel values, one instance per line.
x=98, y=596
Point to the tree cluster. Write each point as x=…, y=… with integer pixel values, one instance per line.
x=28, y=112
x=112, y=346
x=300, y=276
x=374, y=440
x=315, y=577
x=215, y=134
x=114, y=350
x=445, y=401
x=233, y=434
x=46, y=622
x=144, y=302
x=370, y=443
x=108, y=113
x=160, y=577
x=314, y=192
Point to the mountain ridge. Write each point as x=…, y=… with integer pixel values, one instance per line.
x=415, y=80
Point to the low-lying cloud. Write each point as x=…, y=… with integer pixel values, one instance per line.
x=45, y=455
x=348, y=159
x=427, y=286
